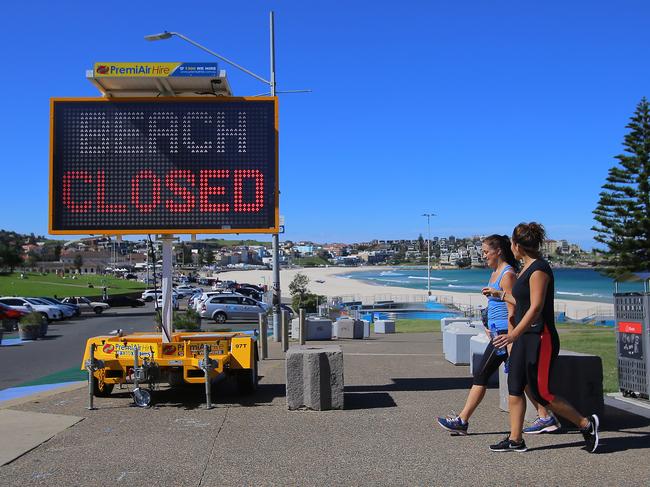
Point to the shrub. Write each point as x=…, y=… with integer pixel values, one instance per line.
x=31, y=321
x=185, y=320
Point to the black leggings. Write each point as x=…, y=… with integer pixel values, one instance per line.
x=489, y=364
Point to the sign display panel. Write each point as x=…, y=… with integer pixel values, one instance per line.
x=155, y=70
x=164, y=165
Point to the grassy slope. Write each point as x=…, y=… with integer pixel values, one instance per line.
x=50, y=284
x=590, y=339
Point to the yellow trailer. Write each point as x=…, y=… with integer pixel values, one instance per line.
x=143, y=358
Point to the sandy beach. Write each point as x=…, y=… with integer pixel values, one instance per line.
x=352, y=289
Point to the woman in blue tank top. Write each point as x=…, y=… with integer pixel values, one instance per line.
x=498, y=255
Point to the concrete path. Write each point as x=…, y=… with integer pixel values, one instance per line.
x=395, y=386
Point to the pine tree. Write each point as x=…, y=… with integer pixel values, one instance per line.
x=623, y=211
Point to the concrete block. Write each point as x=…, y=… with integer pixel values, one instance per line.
x=457, y=337
x=315, y=377
x=316, y=328
x=576, y=377
x=366, y=328
x=349, y=328
x=444, y=322
x=384, y=326
x=477, y=345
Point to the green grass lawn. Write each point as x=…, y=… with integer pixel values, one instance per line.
x=48, y=285
x=595, y=340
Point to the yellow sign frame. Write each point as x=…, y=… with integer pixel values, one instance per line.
x=157, y=231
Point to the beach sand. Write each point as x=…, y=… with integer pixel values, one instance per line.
x=356, y=290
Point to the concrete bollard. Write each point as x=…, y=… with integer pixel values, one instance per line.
x=316, y=328
x=315, y=377
x=445, y=322
x=384, y=326
x=349, y=328
x=576, y=377
x=456, y=339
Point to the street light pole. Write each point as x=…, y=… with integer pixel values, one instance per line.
x=428, y=215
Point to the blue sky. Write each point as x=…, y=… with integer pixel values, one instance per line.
x=486, y=113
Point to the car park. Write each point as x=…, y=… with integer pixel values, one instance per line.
x=49, y=313
x=123, y=301
x=231, y=306
x=87, y=305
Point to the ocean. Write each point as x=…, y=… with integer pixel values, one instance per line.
x=574, y=284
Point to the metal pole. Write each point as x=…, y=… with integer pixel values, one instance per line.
x=206, y=365
x=167, y=308
x=429, y=255
x=277, y=296
x=90, y=367
x=136, y=356
x=303, y=330
x=264, y=352
x=285, y=332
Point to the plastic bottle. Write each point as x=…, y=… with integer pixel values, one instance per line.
x=493, y=334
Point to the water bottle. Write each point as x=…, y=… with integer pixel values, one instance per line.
x=493, y=334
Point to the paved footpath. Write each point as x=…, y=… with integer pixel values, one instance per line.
x=395, y=385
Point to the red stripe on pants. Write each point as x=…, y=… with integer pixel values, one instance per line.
x=544, y=365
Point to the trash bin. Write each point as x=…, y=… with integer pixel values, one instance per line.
x=632, y=315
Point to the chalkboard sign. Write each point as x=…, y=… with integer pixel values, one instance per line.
x=630, y=344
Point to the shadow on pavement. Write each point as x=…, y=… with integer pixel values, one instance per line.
x=193, y=397
x=417, y=384
x=368, y=400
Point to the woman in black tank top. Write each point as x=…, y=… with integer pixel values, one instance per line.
x=535, y=342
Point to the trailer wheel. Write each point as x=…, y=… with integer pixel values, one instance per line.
x=101, y=388
x=220, y=317
x=247, y=380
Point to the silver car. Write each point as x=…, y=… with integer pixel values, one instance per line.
x=224, y=307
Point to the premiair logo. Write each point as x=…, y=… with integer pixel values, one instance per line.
x=103, y=69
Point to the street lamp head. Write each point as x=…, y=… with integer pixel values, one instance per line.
x=158, y=37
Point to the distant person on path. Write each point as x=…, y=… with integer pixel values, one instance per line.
x=535, y=342
x=498, y=256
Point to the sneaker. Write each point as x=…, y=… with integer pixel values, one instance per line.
x=590, y=433
x=508, y=445
x=543, y=425
x=454, y=424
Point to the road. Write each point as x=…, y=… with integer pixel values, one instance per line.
x=63, y=346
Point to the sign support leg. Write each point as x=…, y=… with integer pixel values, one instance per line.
x=167, y=308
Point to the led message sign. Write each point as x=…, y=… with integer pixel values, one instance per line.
x=164, y=165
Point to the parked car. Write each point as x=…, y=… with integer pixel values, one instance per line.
x=288, y=309
x=185, y=290
x=73, y=307
x=87, y=305
x=251, y=292
x=123, y=301
x=224, y=307
x=159, y=301
x=203, y=297
x=150, y=294
x=10, y=317
x=49, y=313
x=67, y=311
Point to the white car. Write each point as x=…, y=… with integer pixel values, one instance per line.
x=50, y=313
x=152, y=294
x=159, y=301
x=232, y=306
x=87, y=305
x=185, y=290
